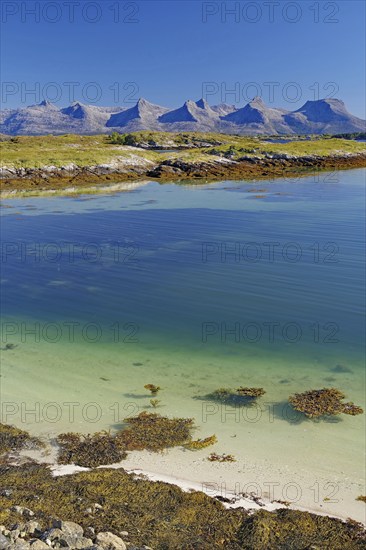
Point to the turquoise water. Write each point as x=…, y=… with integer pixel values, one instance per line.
x=102, y=294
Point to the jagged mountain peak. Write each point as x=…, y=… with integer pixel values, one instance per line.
x=202, y=104
x=252, y=112
x=324, y=110
x=328, y=115
x=77, y=110
x=257, y=100
x=198, y=112
x=143, y=103
x=44, y=105
x=143, y=114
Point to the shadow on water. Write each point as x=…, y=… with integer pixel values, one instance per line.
x=136, y=396
x=285, y=411
x=232, y=400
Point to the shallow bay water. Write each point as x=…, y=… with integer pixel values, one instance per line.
x=192, y=288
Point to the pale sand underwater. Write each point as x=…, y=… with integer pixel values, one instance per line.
x=167, y=296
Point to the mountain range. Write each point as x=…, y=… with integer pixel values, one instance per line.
x=324, y=116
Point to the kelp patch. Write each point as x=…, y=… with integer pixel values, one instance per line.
x=89, y=450
x=14, y=439
x=324, y=402
x=154, y=432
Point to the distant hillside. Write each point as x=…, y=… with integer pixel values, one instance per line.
x=325, y=116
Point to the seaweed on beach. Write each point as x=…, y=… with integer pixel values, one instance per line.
x=146, y=431
x=214, y=457
x=154, y=432
x=323, y=402
x=292, y=529
x=163, y=516
x=362, y=498
x=89, y=450
x=14, y=439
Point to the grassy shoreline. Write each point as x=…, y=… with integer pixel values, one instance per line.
x=59, y=162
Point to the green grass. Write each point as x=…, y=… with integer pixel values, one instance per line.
x=39, y=151
x=33, y=152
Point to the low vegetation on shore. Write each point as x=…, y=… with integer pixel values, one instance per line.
x=156, y=514
x=41, y=162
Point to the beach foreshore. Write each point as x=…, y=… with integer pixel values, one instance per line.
x=259, y=484
x=48, y=506
x=119, y=176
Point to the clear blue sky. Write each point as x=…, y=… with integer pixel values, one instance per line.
x=169, y=49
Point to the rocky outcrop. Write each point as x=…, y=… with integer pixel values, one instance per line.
x=63, y=534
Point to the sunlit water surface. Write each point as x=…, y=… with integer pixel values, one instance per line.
x=191, y=288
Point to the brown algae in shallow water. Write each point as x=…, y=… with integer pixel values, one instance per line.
x=324, y=402
x=154, y=432
x=196, y=445
x=250, y=392
x=362, y=498
x=149, y=431
x=152, y=388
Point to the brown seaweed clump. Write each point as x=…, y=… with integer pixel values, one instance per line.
x=214, y=457
x=90, y=450
x=152, y=388
x=324, y=402
x=362, y=498
x=154, y=432
x=13, y=439
x=251, y=392
x=196, y=445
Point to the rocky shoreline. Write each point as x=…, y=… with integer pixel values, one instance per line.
x=28, y=534
x=175, y=169
x=106, y=507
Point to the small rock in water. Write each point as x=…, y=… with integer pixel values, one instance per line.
x=8, y=346
x=341, y=368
